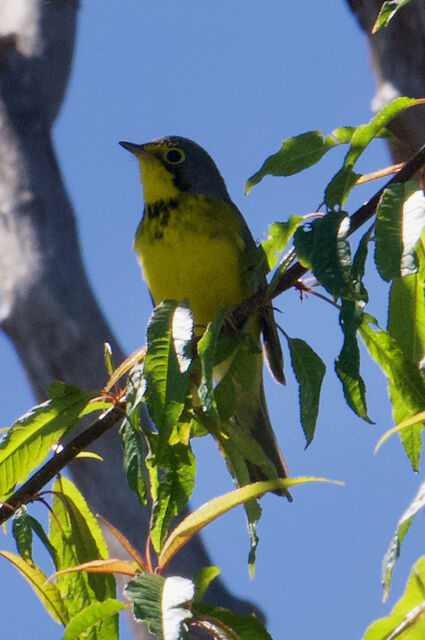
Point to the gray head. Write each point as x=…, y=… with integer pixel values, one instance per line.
x=192, y=168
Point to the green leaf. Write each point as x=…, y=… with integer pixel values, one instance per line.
x=167, y=378
x=160, y=603
x=173, y=492
x=77, y=538
x=207, y=352
x=133, y=457
x=403, y=526
x=202, y=581
x=131, y=435
x=47, y=592
x=339, y=187
x=406, y=316
x=309, y=370
x=347, y=365
x=405, y=384
x=198, y=519
x=22, y=532
x=295, y=155
x=413, y=226
x=39, y=531
x=28, y=442
x=325, y=251
x=91, y=615
x=343, y=182
x=406, y=620
x=229, y=625
x=387, y=12
x=278, y=237
x=388, y=233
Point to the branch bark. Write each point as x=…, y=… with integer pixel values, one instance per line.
x=48, y=309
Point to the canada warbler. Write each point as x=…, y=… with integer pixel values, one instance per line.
x=192, y=244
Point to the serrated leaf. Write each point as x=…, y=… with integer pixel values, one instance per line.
x=309, y=370
x=133, y=457
x=39, y=531
x=278, y=237
x=174, y=491
x=406, y=620
x=406, y=316
x=207, y=352
x=227, y=625
x=22, y=532
x=48, y=593
x=325, y=251
x=295, y=155
x=405, y=384
x=403, y=526
x=77, y=538
x=216, y=507
x=91, y=615
x=387, y=11
x=28, y=442
x=159, y=602
x=388, y=232
x=167, y=383
x=347, y=365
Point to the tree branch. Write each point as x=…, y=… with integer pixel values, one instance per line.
x=29, y=490
x=241, y=312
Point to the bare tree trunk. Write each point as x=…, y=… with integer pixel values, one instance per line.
x=48, y=309
x=398, y=60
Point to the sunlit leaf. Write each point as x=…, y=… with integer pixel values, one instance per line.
x=388, y=232
x=110, y=565
x=93, y=614
x=216, y=507
x=160, y=603
x=296, y=154
x=203, y=579
x=407, y=620
x=403, y=526
x=77, y=538
x=279, y=234
x=343, y=182
x=387, y=11
x=167, y=383
x=29, y=440
x=405, y=384
x=49, y=594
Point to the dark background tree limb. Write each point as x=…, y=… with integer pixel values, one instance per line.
x=48, y=309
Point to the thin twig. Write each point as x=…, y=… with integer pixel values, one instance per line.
x=290, y=278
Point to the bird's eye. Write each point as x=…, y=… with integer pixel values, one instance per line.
x=174, y=156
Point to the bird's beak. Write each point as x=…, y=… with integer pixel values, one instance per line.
x=136, y=149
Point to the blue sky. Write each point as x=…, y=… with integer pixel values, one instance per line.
x=238, y=78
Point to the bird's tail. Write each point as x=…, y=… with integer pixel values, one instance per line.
x=252, y=416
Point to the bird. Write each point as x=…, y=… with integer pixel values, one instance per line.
x=194, y=244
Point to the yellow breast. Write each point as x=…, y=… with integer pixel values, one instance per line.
x=190, y=248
